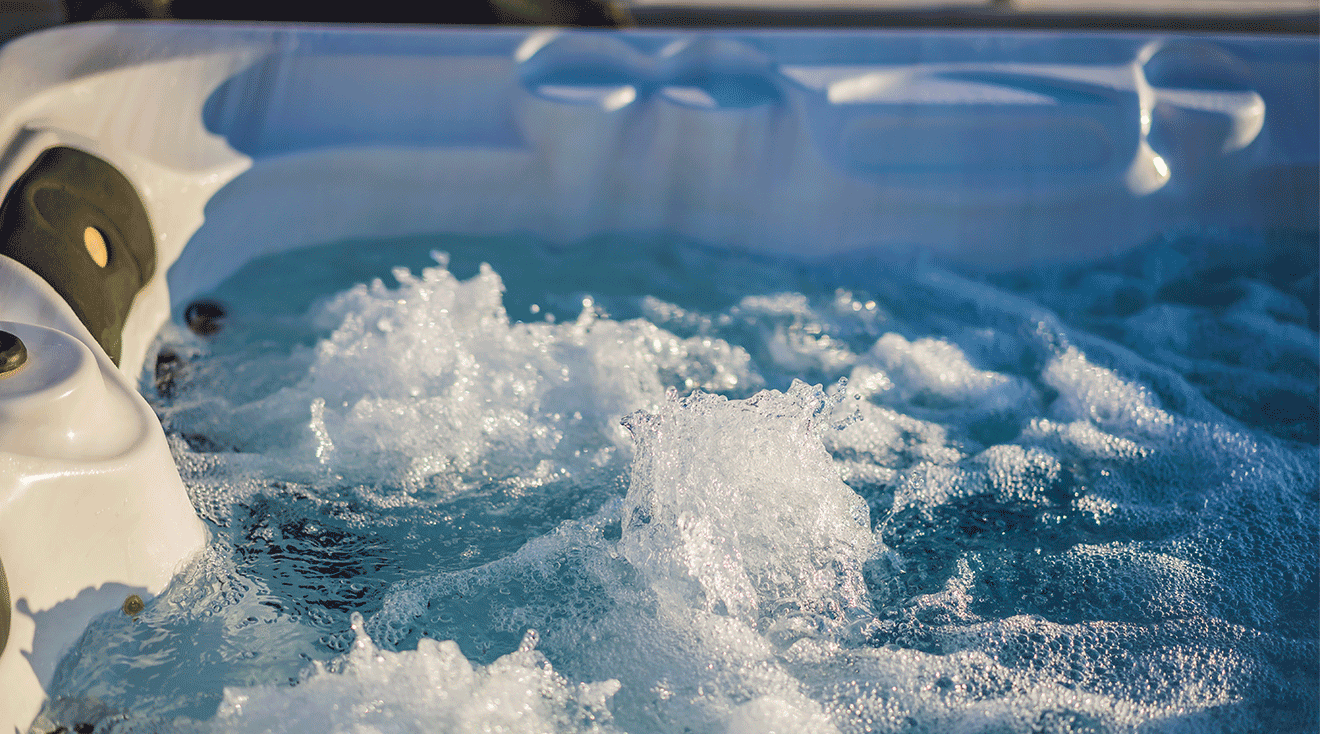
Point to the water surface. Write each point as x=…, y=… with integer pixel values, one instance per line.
x=638, y=484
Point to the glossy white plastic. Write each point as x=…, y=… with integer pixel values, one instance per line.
x=91, y=507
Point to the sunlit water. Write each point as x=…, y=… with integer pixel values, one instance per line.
x=583, y=489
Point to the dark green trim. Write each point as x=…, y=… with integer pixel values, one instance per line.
x=6, y=608
x=43, y=222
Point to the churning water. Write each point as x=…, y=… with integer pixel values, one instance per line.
x=602, y=488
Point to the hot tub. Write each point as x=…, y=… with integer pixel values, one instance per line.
x=858, y=151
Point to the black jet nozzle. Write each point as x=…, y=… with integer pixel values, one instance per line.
x=13, y=353
x=204, y=317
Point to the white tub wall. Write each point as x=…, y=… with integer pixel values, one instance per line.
x=129, y=95
x=91, y=506
x=628, y=147
x=479, y=141
x=96, y=510
x=383, y=132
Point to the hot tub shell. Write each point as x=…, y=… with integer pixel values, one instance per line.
x=983, y=151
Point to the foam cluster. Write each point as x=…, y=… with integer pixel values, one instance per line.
x=432, y=688
x=734, y=507
x=430, y=384
x=736, y=539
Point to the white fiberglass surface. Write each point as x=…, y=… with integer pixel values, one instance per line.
x=636, y=484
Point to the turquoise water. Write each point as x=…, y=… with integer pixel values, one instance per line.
x=641, y=485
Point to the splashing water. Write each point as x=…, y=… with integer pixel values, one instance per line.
x=1034, y=503
x=433, y=688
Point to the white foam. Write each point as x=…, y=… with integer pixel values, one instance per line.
x=735, y=507
x=793, y=334
x=939, y=374
x=431, y=689
x=1093, y=393
x=738, y=539
x=431, y=383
